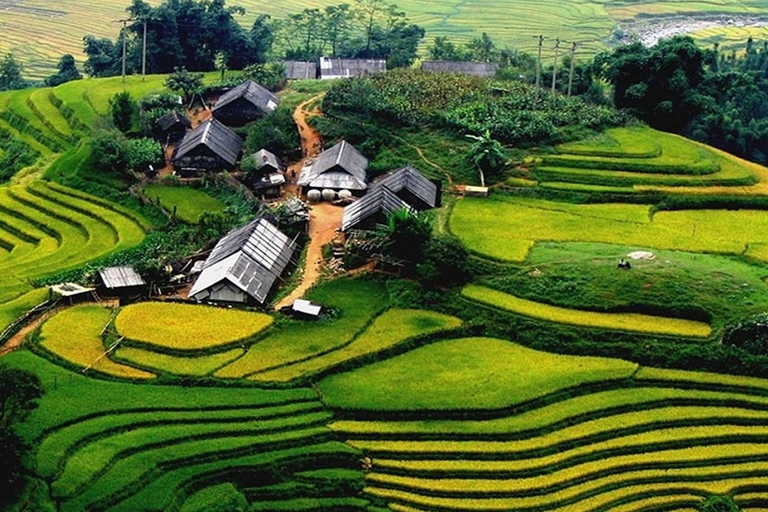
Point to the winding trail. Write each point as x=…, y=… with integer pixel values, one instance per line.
x=324, y=218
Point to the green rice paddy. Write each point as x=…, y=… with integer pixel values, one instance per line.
x=188, y=204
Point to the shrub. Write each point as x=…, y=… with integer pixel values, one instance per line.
x=141, y=153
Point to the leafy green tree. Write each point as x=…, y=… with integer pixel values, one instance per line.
x=10, y=74
x=262, y=38
x=109, y=150
x=482, y=48
x=487, y=154
x=719, y=504
x=103, y=57
x=444, y=262
x=270, y=75
x=67, y=72
x=141, y=153
x=443, y=49
x=184, y=82
x=121, y=108
x=338, y=21
x=20, y=391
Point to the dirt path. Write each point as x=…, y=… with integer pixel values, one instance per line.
x=324, y=218
x=426, y=160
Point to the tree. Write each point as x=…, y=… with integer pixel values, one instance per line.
x=262, y=38
x=443, y=49
x=67, y=72
x=103, y=57
x=109, y=150
x=338, y=20
x=270, y=75
x=185, y=82
x=482, y=48
x=121, y=109
x=19, y=392
x=141, y=153
x=487, y=154
x=10, y=74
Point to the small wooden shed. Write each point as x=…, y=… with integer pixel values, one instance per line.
x=120, y=282
x=172, y=127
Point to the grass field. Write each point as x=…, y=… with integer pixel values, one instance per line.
x=617, y=321
x=187, y=203
x=184, y=327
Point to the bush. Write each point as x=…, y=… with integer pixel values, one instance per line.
x=109, y=150
x=750, y=334
x=141, y=153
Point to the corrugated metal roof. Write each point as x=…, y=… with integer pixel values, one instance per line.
x=306, y=307
x=120, y=277
x=341, y=166
x=410, y=179
x=380, y=200
x=461, y=67
x=263, y=157
x=172, y=118
x=222, y=141
x=252, y=92
x=344, y=68
x=252, y=258
x=299, y=69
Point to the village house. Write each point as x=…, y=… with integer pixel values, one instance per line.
x=331, y=68
x=412, y=187
x=460, y=67
x=245, y=103
x=172, y=127
x=372, y=209
x=267, y=175
x=122, y=282
x=300, y=69
x=244, y=265
x=211, y=147
x=341, y=167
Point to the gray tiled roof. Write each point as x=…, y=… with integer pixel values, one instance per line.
x=253, y=92
x=299, y=69
x=263, y=157
x=411, y=180
x=120, y=277
x=379, y=201
x=218, y=138
x=171, y=119
x=460, y=67
x=342, y=68
x=252, y=258
x=339, y=167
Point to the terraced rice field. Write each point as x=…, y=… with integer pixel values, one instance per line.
x=38, y=32
x=614, y=443
x=47, y=228
x=186, y=203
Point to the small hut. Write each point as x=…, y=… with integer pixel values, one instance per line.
x=331, y=68
x=210, y=147
x=172, y=127
x=244, y=265
x=300, y=70
x=245, y=103
x=460, y=67
x=372, y=209
x=341, y=167
x=267, y=175
x=123, y=282
x=71, y=293
x=412, y=187
x=303, y=309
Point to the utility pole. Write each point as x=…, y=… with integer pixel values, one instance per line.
x=570, y=74
x=124, y=31
x=538, y=62
x=554, y=68
x=144, y=52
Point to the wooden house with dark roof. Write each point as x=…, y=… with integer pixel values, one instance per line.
x=460, y=67
x=300, y=69
x=267, y=176
x=341, y=167
x=172, y=127
x=372, y=209
x=123, y=282
x=331, y=67
x=247, y=102
x=244, y=265
x=412, y=187
x=210, y=147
